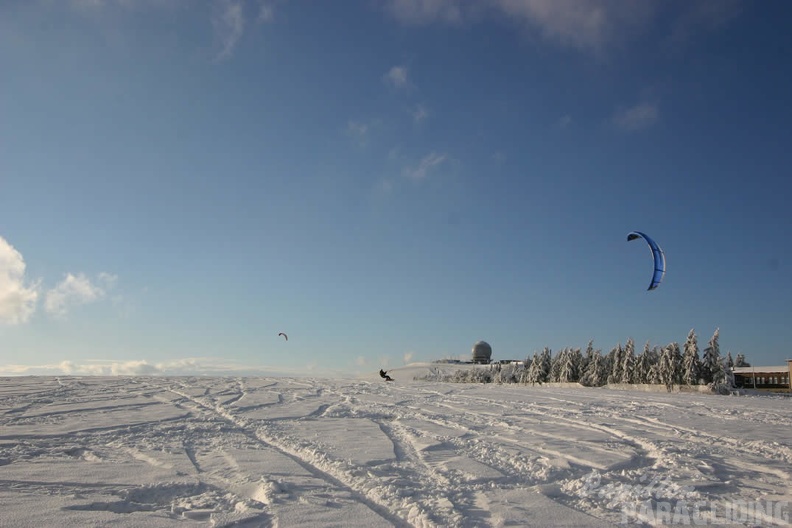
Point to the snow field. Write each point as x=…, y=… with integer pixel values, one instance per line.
x=153, y=451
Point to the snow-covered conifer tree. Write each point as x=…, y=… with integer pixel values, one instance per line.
x=670, y=370
x=691, y=364
x=740, y=361
x=728, y=373
x=556, y=365
x=527, y=367
x=577, y=359
x=594, y=376
x=711, y=363
x=533, y=373
x=588, y=355
x=628, y=362
x=506, y=374
x=616, y=357
x=677, y=363
x=643, y=364
x=569, y=372
x=654, y=374
x=545, y=364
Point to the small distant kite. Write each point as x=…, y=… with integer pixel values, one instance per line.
x=284, y=335
x=657, y=254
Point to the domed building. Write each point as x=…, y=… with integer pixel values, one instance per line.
x=482, y=352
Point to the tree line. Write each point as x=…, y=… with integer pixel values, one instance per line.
x=664, y=365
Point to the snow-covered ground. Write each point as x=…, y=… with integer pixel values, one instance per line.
x=292, y=452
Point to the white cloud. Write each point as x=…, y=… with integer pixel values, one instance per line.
x=108, y=279
x=408, y=357
x=229, y=25
x=426, y=11
x=76, y=290
x=564, y=121
x=396, y=77
x=17, y=299
x=640, y=116
x=426, y=164
x=361, y=131
x=587, y=25
x=384, y=186
x=228, y=17
x=357, y=129
x=361, y=361
x=420, y=113
x=118, y=368
x=266, y=12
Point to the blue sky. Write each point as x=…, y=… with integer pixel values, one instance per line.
x=387, y=181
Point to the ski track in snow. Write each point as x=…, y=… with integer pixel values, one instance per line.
x=286, y=452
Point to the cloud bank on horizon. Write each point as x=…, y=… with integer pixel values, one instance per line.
x=199, y=366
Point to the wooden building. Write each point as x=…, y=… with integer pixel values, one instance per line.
x=771, y=379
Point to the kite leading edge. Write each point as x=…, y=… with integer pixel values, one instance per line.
x=657, y=254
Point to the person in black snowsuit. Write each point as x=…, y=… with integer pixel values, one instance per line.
x=385, y=376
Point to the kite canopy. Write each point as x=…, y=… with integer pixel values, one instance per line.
x=657, y=254
x=284, y=335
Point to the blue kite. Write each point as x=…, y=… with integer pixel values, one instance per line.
x=657, y=254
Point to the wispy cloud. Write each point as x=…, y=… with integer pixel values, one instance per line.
x=396, y=77
x=360, y=131
x=563, y=121
x=229, y=18
x=638, y=117
x=76, y=290
x=357, y=128
x=427, y=164
x=419, y=113
x=587, y=25
x=426, y=11
x=701, y=17
x=590, y=26
x=17, y=297
x=229, y=25
x=384, y=186
x=408, y=357
x=266, y=12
